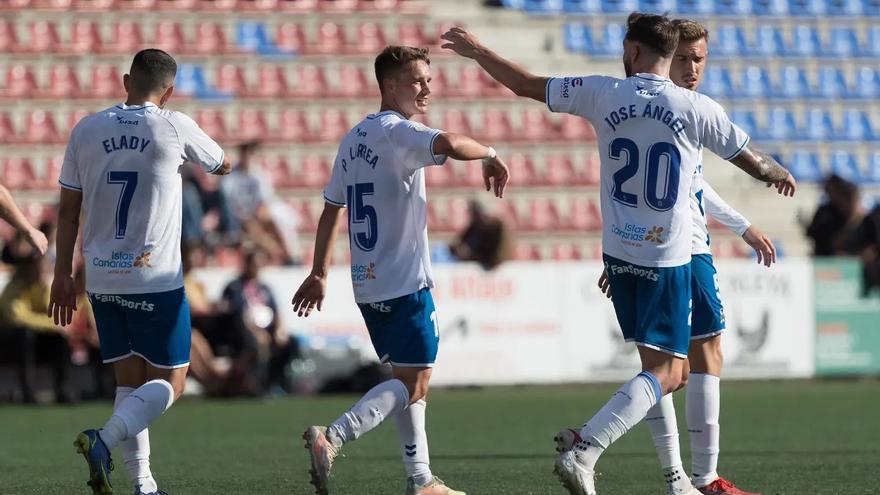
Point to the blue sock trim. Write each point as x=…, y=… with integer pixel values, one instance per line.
x=655, y=384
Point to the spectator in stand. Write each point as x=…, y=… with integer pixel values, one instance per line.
x=207, y=215
x=265, y=220
x=835, y=221
x=485, y=240
x=12, y=215
x=866, y=242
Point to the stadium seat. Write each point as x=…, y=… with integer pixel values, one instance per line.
x=872, y=46
x=856, y=127
x=411, y=34
x=768, y=42
x=456, y=121
x=543, y=215
x=804, y=42
x=54, y=4
x=612, y=41
x=457, y=214
x=370, y=38
x=190, y=81
x=717, y=82
x=40, y=128
x=217, y=6
x=537, y=7
x=872, y=173
x=745, y=119
x=867, y=83
x=252, y=36
x=526, y=252
x=18, y=174
x=126, y=38
x=843, y=43
x=657, y=6
x=63, y=83
x=353, y=83
x=8, y=135
x=310, y=82
x=168, y=36
x=536, y=126
x=75, y=117
x=806, y=7
x=257, y=5
x=8, y=37
x=755, y=83
x=16, y=5
x=566, y=251
x=582, y=6
x=334, y=125
x=793, y=83
x=313, y=171
x=84, y=38
x=300, y=6
x=271, y=82
x=177, y=5
x=584, y=215
x=573, y=128
x=20, y=82
x=469, y=175
x=210, y=39
x=845, y=165
x=331, y=39
x=620, y=6
x=471, y=81
x=51, y=173
x=831, y=84
x=142, y=5
x=44, y=37
x=230, y=79
x=496, y=126
x=440, y=176
x=522, y=170
x=773, y=8
x=818, y=126
x=804, y=166
x=251, y=125
x=871, y=7
x=733, y=7
x=338, y=6
x=844, y=7
x=106, y=82
x=577, y=38
x=730, y=41
x=780, y=125
x=290, y=38
x=294, y=126
x=558, y=170
x=694, y=7
x=213, y=122
x=379, y=5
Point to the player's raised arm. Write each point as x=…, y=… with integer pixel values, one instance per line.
x=509, y=74
x=459, y=147
x=736, y=222
x=11, y=214
x=765, y=168
x=310, y=294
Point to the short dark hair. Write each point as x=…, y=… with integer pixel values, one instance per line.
x=152, y=71
x=394, y=58
x=690, y=30
x=654, y=31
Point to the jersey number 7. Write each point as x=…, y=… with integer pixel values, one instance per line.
x=129, y=181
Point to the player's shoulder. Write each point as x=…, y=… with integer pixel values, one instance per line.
x=392, y=121
x=701, y=103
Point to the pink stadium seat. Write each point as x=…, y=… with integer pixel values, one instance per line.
x=456, y=121
x=294, y=126
x=53, y=4
x=331, y=39
x=345, y=6
x=63, y=82
x=44, y=37
x=508, y=213
x=536, y=126
x=471, y=81
x=313, y=172
x=353, y=82
x=84, y=38
x=435, y=223
x=74, y=119
x=307, y=218
x=213, y=123
x=526, y=252
x=543, y=215
x=169, y=36
x=230, y=79
x=566, y=251
x=457, y=214
x=126, y=37
x=334, y=125
x=522, y=170
x=251, y=125
x=310, y=82
x=290, y=37
x=136, y=4
x=411, y=35
x=590, y=175
x=439, y=176
x=16, y=5
x=177, y=5
x=257, y=5
x=40, y=128
x=434, y=38
x=370, y=38
x=378, y=5
x=210, y=39
x=275, y=166
x=8, y=135
x=18, y=173
x=302, y=6
x=271, y=82
x=8, y=37
x=106, y=82
x=559, y=170
x=576, y=129
x=496, y=126
x=94, y=5
x=213, y=6
x=584, y=215
x=51, y=173
x=20, y=82
x=439, y=82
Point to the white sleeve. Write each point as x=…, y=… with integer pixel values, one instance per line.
x=197, y=146
x=574, y=95
x=718, y=209
x=334, y=193
x=70, y=178
x=717, y=132
x=414, y=143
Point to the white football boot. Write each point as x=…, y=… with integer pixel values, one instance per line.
x=575, y=477
x=434, y=487
x=322, y=454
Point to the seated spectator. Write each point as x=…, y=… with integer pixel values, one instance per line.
x=835, y=221
x=866, y=242
x=207, y=217
x=485, y=240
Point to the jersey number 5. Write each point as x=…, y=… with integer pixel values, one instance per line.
x=129, y=181
x=359, y=213
x=656, y=153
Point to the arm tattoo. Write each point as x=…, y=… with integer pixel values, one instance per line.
x=762, y=167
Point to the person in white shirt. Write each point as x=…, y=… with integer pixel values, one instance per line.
x=10, y=213
x=378, y=175
x=122, y=170
x=650, y=133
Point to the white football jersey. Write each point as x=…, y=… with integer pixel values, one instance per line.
x=378, y=175
x=705, y=199
x=126, y=161
x=650, y=133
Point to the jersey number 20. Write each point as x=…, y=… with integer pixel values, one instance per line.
x=359, y=212
x=129, y=181
x=657, y=152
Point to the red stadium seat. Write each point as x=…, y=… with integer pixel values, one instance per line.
x=559, y=171
x=63, y=82
x=302, y=6
x=536, y=126
x=411, y=35
x=434, y=38
x=40, y=128
x=106, y=82
x=275, y=166
x=44, y=37
x=331, y=39
x=471, y=81
x=576, y=129
x=339, y=5
x=566, y=252
x=457, y=214
x=271, y=82
x=353, y=83
x=290, y=37
x=213, y=123
x=294, y=127
x=169, y=36
x=435, y=223
x=8, y=37
x=526, y=252
x=230, y=79
x=177, y=5
x=543, y=215
x=378, y=5
x=456, y=121
x=51, y=173
x=584, y=215
x=507, y=212
x=135, y=4
x=370, y=38
x=308, y=219
x=310, y=82
x=84, y=38
x=334, y=125
x=126, y=37
x=16, y=5
x=313, y=172
x=470, y=174
x=522, y=170
x=439, y=82
x=251, y=125
x=94, y=5
x=496, y=126
x=18, y=173
x=8, y=135
x=54, y=4
x=74, y=118
x=214, y=6
x=210, y=39
x=591, y=174
x=257, y=5
x=439, y=176
x=20, y=82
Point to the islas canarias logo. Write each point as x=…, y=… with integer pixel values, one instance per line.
x=362, y=273
x=655, y=235
x=121, y=260
x=143, y=261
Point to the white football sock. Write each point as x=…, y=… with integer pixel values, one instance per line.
x=627, y=406
x=136, y=452
x=703, y=407
x=664, y=430
x=414, y=442
x=382, y=401
x=134, y=413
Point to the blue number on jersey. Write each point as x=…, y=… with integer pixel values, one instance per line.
x=359, y=212
x=129, y=181
x=656, y=152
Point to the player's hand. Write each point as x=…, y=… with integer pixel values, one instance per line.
x=785, y=187
x=37, y=239
x=62, y=301
x=495, y=175
x=461, y=42
x=605, y=285
x=310, y=295
x=762, y=245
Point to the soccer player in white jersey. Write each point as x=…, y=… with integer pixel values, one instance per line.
x=379, y=176
x=10, y=213
x=122, y=169
x=650, y=135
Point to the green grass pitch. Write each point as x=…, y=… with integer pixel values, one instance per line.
x=790, y=438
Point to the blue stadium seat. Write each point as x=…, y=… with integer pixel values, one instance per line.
x=770, y=7
x=872, y=46
x=542, y=6
x=619, y=6
x=694, y=7
x=871, y=175
x=582, y=6
x=793, y=83
x=780, y=125
x=856, y=127
x=657, y=6
x=804, y=42
x=871, y=7
x=845, y=165
x=745, y=119
x=806, y=7
x=844, y=7
x=577, y=38
x=818, y=126
x=729, y=41
x=804, y=166
x=190, y=81
x=755, y=83
x=612, y=41
x=716, y=82
x=843, y=43
x=252, y=37
x=831, y=84
x=867, y=83
x=512, y=4
x=768, y=42
x=733, y=7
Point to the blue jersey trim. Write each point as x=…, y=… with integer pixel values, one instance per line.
x=384, y=112
x=434, y=156
x=141, y=107
x=741, y=148
x=659, y=78
x=333, y=202
x=547, y=94
x=68, y=186
x=222, y=156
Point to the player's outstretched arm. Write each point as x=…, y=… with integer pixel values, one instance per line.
x=62, y=298
x=495, y=172
x=310, y=294
x=765, y=168
x=737, y=223
x=11, y=214
x=517, y=79
x=225, y=168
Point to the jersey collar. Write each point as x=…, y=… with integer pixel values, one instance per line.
x=651, y=77
x=149, y=104
x=385, y=112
